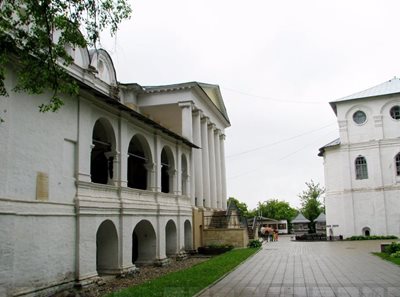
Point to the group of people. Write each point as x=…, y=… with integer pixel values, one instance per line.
x=269, y=234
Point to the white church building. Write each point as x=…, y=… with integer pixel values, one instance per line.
x=362, y=167
x=118, y=177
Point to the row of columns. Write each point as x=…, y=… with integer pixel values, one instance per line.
x=208, y=162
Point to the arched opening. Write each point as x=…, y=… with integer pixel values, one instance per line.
x=366, y=231
x=101, y=159
x=143, y=243
x=167, y=167
x=137, y=160
x=135, y=247
x=188, y=235
x=107, y=248
x=184, y=175
x=170, y=239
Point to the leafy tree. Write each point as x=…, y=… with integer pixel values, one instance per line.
x=241, y=206
x=277, y=210
x=35, y=33
x=311, y=204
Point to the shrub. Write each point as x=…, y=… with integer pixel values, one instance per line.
x=394, y=247
x=395, y=255
x=372, y=237
x=215, y=249
x=254, y=243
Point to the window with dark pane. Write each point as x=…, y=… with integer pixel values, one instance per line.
x=361, y=168
x=395, y=112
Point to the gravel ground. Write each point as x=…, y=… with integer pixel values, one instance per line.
x=110, y=284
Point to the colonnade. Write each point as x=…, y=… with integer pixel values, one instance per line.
x=208, y=163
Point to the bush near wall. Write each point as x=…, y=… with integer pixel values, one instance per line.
x=254, y=243
x=215, y=249
x=372, y=237
x=393, y=250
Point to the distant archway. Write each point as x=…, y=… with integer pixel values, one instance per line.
x=106, y=248
x=366, y=231
x=170, y=239
x=188, y=235
x=143, y=243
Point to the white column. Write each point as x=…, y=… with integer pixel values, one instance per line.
x=218, y=168
x=206, y=161
x=85, y=145
x=211, y=151
x=179, y=170
x=198, y=169
x=151, y=176
x=187, y=129
x=223, y=170
x=172, y=173
x=157, y=158
x=191, y=181
x=124, y=145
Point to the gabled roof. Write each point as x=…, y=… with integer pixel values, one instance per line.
x=300, y=219
x=333, y=143
x=212, y=92
x=321, y=218
x=391, y=86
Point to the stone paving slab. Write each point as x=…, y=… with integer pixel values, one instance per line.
x=312, y=269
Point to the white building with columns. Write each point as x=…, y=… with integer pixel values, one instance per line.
x=362, y=167
x=115, y=179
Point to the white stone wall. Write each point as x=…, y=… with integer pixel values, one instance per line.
x=353, y=204
x=49, y=242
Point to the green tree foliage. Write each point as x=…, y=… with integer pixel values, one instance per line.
x=241, y=206
x=311, y=202
x=36, y=33
x=277, y=210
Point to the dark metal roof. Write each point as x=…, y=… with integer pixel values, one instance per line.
x=333, y=143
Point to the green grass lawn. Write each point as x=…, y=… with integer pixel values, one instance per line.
x=388, y=258
x=192, y=280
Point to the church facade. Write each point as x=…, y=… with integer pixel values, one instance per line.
x=118, y=177
x=362, y=167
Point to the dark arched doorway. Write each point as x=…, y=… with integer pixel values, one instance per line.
x=170, y=239
x=143, y=243
x=106, y=248
x=188, y=235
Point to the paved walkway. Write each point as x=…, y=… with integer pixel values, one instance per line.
x=290, y=268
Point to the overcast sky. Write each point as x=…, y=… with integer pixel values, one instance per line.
x=278, y=64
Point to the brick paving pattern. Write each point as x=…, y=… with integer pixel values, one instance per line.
x=312, y=269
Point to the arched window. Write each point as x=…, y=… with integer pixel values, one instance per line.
x=137, y=160
x=397, y=161
x=361, y=168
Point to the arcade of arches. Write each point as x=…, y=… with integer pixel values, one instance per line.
x=140, y=173
x=143, y=244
